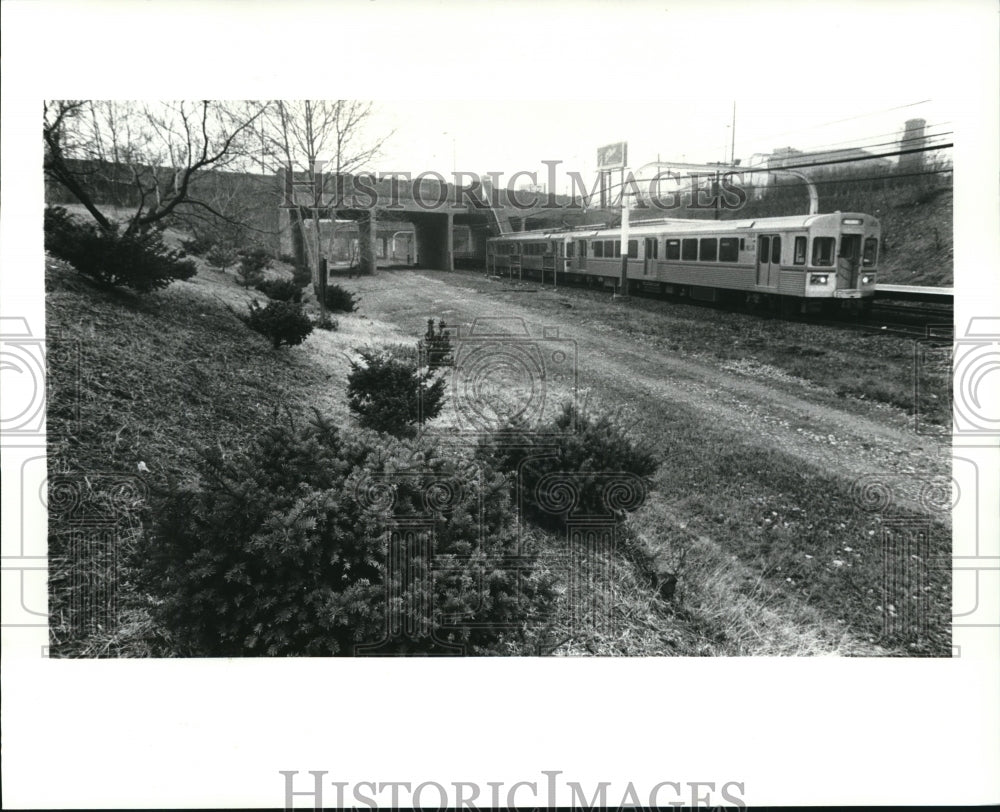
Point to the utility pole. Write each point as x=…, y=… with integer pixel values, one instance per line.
x=732, y=146
x=623, y=284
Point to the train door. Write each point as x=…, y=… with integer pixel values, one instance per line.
x=649, y=255
x=847, y=261
x=549, y=258
x=768, y=260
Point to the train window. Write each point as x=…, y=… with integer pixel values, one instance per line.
x=609, y=249
x=823, y=250
x=775, y=250
x=633, y=249
x=652, y=248
x=743, y=244
x=689, y=249
x=871, y=252
x=728, y=249
x=673, y=249
x=709, y=250
x=598, y=249
x=583, y=248
x=800, y=251
x=570, y=250
x=618, y=248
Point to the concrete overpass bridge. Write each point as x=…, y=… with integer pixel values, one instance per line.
x=450, y=223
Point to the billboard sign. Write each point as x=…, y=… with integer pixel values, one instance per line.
x=613, y=156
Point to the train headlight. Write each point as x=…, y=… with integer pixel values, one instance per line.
x=867, y=279
x=818, y=279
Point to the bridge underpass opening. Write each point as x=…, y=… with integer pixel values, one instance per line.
x=435, y=246
x=432, y=232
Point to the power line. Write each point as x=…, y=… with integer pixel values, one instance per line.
x=849, y=118
x=864, y=179
x=860, y=142
x=923, y=139
x=911, y=151
x=767, y=170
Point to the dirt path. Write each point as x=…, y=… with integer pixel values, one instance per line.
x=757, y=404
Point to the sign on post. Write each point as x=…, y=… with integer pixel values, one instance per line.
x=613, y=156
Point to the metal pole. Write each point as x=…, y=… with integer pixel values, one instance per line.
x=623, y=285
x=732, y=146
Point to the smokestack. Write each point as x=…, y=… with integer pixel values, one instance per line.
x=913, y=138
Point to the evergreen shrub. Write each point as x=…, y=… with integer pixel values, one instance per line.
x=388, y=393
x=282, y=322
x=283, y=550
x=571, y=466
x=137, y=260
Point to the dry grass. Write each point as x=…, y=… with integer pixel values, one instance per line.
x=159, y=377
x=143, y=384
x=782, y=558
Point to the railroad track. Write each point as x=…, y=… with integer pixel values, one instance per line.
x=920, y=320
x=915, y=321
x=909, y=319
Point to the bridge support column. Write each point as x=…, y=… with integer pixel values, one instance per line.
x=367, y=236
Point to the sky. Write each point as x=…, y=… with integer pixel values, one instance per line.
x=510, y=136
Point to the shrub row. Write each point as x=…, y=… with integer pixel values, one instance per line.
x=317, y=542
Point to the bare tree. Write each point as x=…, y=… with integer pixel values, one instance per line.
x=320, y=142
x=147, y=157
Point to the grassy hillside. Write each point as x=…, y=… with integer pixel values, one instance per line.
x=146, y=382
x=918, y=240
x=156, y=379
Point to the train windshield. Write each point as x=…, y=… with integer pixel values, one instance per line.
x=823, y=250
x=871, y=252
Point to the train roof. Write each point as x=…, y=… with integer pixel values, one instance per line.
x=640, y=228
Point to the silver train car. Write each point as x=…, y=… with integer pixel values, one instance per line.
x=801, y=263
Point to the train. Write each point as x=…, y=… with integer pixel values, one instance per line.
x=801, y=263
